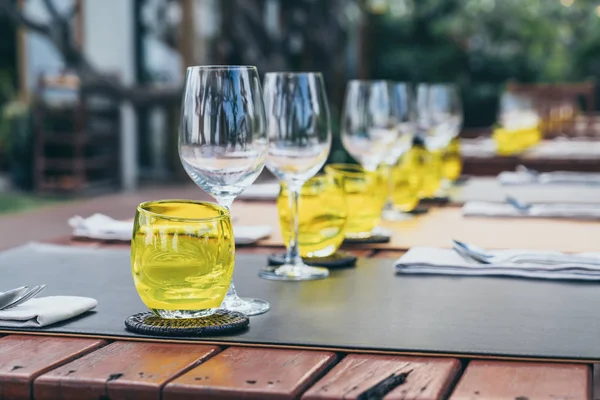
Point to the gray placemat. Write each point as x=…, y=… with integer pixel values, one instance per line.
x=364, y=308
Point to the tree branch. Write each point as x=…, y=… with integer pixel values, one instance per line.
x=51, y=8
x=59, y=32
x=10, y=9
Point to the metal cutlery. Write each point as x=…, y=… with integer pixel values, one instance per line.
x=485, y=257
x=18, y=296
x=523, y=169
x=519, y=205
x=10, y=296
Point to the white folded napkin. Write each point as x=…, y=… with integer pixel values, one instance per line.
x=566, y=148
x=102, y=227
x=261, y=191
x=250, y=233
x=550, y=210
x=546, y=178
x=44, y=311
x=436, y=261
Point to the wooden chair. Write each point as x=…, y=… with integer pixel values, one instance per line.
x=76, y=138
x=560, y=107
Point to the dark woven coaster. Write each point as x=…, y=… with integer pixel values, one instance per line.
x=419, y=211
x=339, y=259
x=436, y=200
x=368, y=240
x=220, y=323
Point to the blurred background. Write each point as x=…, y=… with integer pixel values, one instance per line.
x=90, y=89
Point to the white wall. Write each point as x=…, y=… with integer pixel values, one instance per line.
x=108, y=32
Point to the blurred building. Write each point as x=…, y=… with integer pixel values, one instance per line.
x=145, y=42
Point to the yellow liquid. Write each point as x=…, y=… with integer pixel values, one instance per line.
x=510, y=142
x=322, y=214
x=366, y=193
x=364, y=209
x=428, y=166
x=182, y=266
x=452, y=161
x=407, y=184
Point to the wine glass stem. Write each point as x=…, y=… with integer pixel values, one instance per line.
x=292, y=256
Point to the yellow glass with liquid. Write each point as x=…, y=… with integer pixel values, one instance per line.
x=182, y=257
x=427, y=165
x=452, y=161
x=322, y=216
x=514, y=141
x=366, y=193
x=406, y=183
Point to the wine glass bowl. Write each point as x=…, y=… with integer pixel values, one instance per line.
x=223, y=141
x=439, y=113
x=369, y=122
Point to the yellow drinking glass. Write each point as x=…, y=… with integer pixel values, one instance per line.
x=407, y=182
x=452, y=161
x=428, y=166
x=322, y=216
x=182, y=256
x=366, y=193
x=519, y=124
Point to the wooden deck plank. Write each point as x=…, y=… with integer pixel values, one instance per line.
x=408, y=378
x=251, y=373
x=596, y=381
x=22, y=358
x=121, y=370
x=523, y=380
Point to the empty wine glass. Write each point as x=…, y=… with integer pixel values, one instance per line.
x=369, y=122
x=439, y=113
x=223, y=141
x=404, y=112
x=299, y=141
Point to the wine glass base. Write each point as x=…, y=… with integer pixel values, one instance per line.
x=288, y=272
x=245, y=306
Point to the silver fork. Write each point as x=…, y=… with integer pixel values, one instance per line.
x=486, y=257
x=11, y=295
x=25, y=296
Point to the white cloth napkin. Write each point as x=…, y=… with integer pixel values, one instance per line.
x=551, y=210
x=545, y=178
x=261, y=191
x=102, y=227
x=43, y=311
x=436, y=261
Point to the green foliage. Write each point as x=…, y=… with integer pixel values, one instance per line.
x=11, y=110
x=481, y=44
